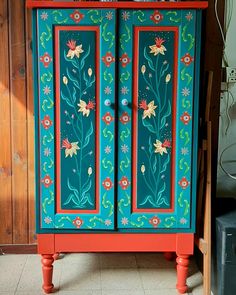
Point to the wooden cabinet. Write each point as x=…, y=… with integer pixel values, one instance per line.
x=116, y=112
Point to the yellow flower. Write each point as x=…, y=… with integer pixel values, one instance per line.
x=158, y=47
x=168, y=77
x=143, y=69
x=74, y=50
x=90, y=71
x=70, y=147
x=159, y=147
x=149, y=109
x=65, y=80
x=143, y=169
x=90, y=171
x=85, y=108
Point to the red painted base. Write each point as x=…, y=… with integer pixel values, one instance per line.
x=181, y=244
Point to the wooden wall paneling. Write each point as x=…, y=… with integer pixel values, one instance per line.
x=5, y=135
x=19, y=116
x=30, y=128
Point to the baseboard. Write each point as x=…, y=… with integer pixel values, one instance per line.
x=18, y=249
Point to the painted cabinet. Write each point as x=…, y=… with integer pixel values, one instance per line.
x=116, y=109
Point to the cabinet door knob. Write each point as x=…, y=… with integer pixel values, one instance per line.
x=124, y=102
x=107, y=102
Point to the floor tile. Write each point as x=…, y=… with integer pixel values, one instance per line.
x=162, y=292
x=82, y=259
x=123, y=292
x=120, y=279
x=81, y=292
x=10, y=271
x=118, y=260
x=153, y=260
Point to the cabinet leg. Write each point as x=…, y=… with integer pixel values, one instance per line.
x=182, y=273
x=47, y=268
x=56, y=256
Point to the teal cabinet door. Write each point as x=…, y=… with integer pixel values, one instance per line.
x=156, y=89
x=76, y=96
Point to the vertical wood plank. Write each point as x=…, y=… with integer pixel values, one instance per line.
x=5, y=127
x=30, y=128
x=19, y=116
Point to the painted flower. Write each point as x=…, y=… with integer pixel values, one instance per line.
x=78, y=222
x=155, y=221
x=125, y=15
x=107, y=149
x=184, y=183
x=90, y=171
x=107, y=183
x=160, y=147
x=189, y=16
x=124, y=90
x=124, y=220
x=44, y=15
x=143, y=69
x=125, y=118
x=185, y=118
x=184, y=151
x=107, y=90
x=86, y=107
x=48, y=220
x=185, y=91
x=73, y=49
x=107, y=222
x=46, y=181
x=65, y=80
x=76, y=16
x=143, y=169
x=46, y=90
x=148, y=109
x=46, y=122
x=46, y=59
x=124, y=148
x=108, y=59
x=183, y=220
x=158, y=47
x=156, y=17
x=109, y=15
x=90, y=72
x=168, y=78
x=47, y=152
x=124, y=182
x=107, y=118
x=124, y=59
x=187, y=59
x=70, y=147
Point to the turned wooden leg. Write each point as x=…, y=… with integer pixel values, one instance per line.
x=182, y=273
x=47, y=267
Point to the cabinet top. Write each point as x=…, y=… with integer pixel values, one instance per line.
x=120, y=4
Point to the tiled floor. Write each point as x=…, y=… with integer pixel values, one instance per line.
x=96, y=274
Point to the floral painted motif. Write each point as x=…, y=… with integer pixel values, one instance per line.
x=46, y=90
x=125, y=60
x=107, y=149
x=108, y=59
x=108, y=222
x=85, y=108
x=124, y=183
x=46, y=122
x=185, y=118
x=124, y=148
x=46, y=59
x=46, y=181
x=184, y=183
x=148, y=109
x=155, y=221
x=47, y=152
x=183, y=220
x=48, y=220
x=125, y=15
x=158, y=47
x=187, y=59
x=185, y=91
x=109, y=15
x=124, y=220
x=124, y=90
x=189, y=16
x=125, y=118
x=78, y=222
x=107, y=90
x=161, y=147
x=44, y=15
x=184, y=151
x=77, y=16
x=156, y=17
x=73, y=49
x=107, y=118
x=70, y=147
x=107, y=184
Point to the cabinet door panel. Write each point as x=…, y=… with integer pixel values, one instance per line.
x=76, y=70
x=156, y=52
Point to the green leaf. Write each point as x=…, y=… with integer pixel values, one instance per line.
x=82, y=63
x=148, y=125
x=164, y=117
x=149, y=60
x=66, y=99
x=73, y=79
x=87, y=137
x=150, y=145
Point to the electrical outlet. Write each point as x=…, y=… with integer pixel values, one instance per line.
x=230, y=74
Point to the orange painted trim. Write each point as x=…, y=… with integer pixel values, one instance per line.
x=121, y=4
x=46, y=243
x=135, y=112
x=57, y=114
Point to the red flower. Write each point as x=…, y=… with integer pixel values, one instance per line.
x=124, y=182
x=71, y=44
x=124, y=60
x=125, y=118
x=46, y=59
x=107, y=183
x=108, y=59
x=185, y=118
x=154, y=221
x=184, y=183
x=187, y=59
x=156, y=17
x=159, y=42
x=46, y=122
x=66, y=144
x=76, y=16
x=78, y=222
x=166, y=143
x=107, y=118
x=46, y=181
x=143, y=104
